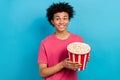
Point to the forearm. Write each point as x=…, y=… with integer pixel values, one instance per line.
x=45, y=72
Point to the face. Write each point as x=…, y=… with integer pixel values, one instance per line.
x=60, y=21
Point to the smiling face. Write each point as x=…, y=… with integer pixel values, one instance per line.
x=60, y=21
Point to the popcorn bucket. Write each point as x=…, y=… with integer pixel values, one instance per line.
x=79, y=52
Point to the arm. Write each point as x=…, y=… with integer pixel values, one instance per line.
x=48, y=71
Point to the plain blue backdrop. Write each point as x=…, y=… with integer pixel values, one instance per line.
x=23, y=24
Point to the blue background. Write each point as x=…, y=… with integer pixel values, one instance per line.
x=23, y=24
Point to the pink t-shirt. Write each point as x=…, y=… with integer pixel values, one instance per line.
x=52, y=51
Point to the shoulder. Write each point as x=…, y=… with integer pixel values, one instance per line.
x=48, y=39
x=78, y=37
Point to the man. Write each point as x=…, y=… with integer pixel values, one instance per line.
x=53, y=60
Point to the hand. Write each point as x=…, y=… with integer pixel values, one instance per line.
x=88, y=57
x=71, y=65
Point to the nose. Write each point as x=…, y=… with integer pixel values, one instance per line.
x=61, y=21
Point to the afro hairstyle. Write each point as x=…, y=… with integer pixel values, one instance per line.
x=59, y=7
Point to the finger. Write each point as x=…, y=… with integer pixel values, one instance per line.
x=67, y=59
x=77, y=66
x=75, y=69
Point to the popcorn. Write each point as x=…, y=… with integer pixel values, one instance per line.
x=79, y=52
x=78, y=48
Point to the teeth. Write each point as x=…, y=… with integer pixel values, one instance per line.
x=61, y=26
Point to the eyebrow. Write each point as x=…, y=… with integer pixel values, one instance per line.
x=59, y=16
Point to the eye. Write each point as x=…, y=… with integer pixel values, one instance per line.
x=65, y=18
x=56, y=18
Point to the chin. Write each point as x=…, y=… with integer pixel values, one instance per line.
x=61, y=30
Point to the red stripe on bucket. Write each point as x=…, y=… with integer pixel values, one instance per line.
x=81, y=59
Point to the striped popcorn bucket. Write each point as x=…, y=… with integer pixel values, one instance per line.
x=79, y=52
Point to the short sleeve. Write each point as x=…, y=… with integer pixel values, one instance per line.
x=42, y=57
x=80, y=39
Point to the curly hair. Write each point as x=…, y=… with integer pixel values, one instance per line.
x=59, y=7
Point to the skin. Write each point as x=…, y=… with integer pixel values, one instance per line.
x=60, y=22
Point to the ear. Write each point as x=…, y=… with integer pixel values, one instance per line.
x=52, y=22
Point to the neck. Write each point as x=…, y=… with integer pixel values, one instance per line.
x=62, y=35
